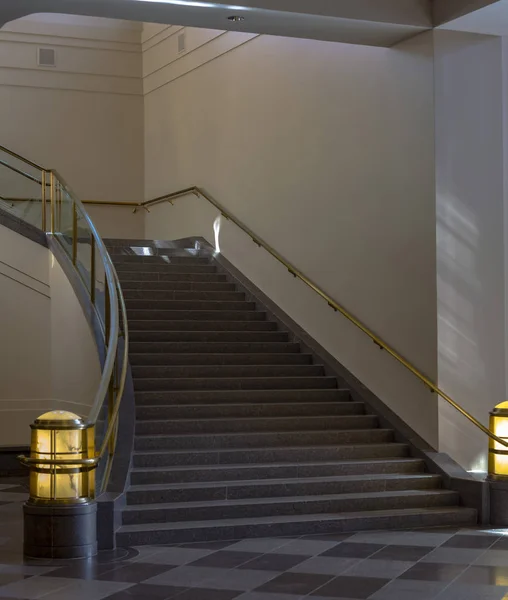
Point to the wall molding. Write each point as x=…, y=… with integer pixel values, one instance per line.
x=76, y=90
x=25, y=274
x=177, y=73
x=187, y=53
x=52, y=71
x=50, y=40
x=166, y=37
x=25, y=285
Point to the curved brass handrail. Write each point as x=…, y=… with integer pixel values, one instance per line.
x=111, y=329
x=330, y=301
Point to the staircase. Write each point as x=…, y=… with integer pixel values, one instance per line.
x=240, y=434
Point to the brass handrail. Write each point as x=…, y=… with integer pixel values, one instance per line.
x=21, y=158
x=116, y=309
x=330, y=301
x=20, y=172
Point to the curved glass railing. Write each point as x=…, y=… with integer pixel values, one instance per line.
x=43, y=199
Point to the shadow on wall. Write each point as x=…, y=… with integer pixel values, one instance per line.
x=463, y=340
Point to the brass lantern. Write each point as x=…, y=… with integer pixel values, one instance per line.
x=498, y=454
x=62, y=436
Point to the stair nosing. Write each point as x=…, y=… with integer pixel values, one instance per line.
x=288, y=499
x=237, y=404
x=244, y=433
x=183, y=468
x=266, y=449
x=250, y=419
x=181, y=525
x=281, y=481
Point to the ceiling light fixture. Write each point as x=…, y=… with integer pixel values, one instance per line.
x=194, y=3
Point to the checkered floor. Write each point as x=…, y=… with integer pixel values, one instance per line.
x=408, y=565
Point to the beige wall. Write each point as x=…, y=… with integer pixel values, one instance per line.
x=83, y=117
x=25, y=349
x=327, y=152
x=75, y=367
x=48, y=357
x=470, y=238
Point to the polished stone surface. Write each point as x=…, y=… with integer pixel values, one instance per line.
x=407, y=565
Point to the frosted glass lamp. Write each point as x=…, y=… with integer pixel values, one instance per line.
x=61, y=435
x=498, y=454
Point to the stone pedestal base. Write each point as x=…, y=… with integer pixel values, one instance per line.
x=498, y=503
x=68, y=531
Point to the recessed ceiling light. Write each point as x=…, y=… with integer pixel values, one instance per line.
x=236, y=18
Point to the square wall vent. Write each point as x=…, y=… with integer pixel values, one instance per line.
x=181, y=42
x=46, y=57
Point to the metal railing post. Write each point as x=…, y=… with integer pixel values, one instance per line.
x=74, y=234
x=43, y=200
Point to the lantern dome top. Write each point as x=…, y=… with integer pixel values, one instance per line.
x=59, y=419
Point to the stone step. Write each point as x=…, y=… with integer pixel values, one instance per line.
x=254, y=456
x=211, y=341
x=184, y=276
x=159, y=258
x=262, y=440
x=269, y=488
x=239, y=411
x=299, y=505
x=157, y=306
x=200, y=342
x=205, y=371
x=164, y=268
x=294, y=525
x=185, y=397
x=223, y=425
x=181, y=314
x=235, y=383
x=160, y=326
x=300, y=470
x=180, y=295
x=174, y=286
x=220, y=359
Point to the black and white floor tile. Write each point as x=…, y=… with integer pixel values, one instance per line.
x=407, y=565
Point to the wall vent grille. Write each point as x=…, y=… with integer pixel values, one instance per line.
x=46, y=57
x=181, y=42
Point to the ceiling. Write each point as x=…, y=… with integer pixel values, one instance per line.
x=491, y=20
x=369, y=22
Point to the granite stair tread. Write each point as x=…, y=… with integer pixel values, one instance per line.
x=253, y=424
x=240, y=431
x=193, y=346
x=244, y=383
x=409, y=460
x=184, y=397
x=201, y=371
x=153, y=359
x=286, y=481
x=290, y=499
x=373, y=447
x=272, y=409
x=224, y=529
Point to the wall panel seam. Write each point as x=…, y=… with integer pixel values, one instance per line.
x=61, y=89
x=188, y=53
x=59, y=45
x=53, y=70
x=201, y=65
x=23, y=273
x=25, y=285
